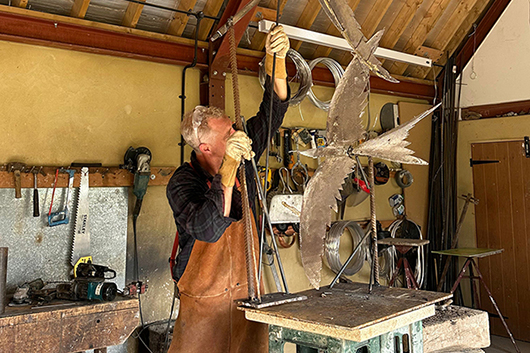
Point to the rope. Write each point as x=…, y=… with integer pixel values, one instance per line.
x=253, y=286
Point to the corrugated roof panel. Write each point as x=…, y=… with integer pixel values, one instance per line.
x=155, y=19
x=57, y=7
x=108, y=11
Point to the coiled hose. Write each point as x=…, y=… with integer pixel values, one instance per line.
x=303, y=72
x=336, y=70
x=419, y=273
x=332, y=245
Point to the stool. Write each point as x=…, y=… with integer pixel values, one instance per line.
x=403, y=246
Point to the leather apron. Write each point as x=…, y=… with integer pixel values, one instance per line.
x=208, y=320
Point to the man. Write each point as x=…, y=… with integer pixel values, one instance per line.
x=206, y=203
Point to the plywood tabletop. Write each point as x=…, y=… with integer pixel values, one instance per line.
x=469, y=252
x=348, y=312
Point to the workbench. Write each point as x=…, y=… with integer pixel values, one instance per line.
x=65, y=327
x=348, y=318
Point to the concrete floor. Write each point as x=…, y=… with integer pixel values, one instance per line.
x=504, y=345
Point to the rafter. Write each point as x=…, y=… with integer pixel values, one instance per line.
x=179, y=22
x=462, y=15
x=80, y=8
x=306, y=19
x=322, y=51
x=418, y=37
x=258, y=41
x=211, y=8
x=132, y=14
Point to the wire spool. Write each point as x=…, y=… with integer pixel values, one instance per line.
x=332, y=245
x=419, y=272
x=303, y=72
x=336, y=70
x=404, y=178
x=382, y=173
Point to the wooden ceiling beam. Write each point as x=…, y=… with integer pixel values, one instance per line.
x=180, y=20
x=79, y=8
x=447, y=33
x=306, y=19
x=37, y=28
x=132, y=14
x=258, y=41
x=432, y=16
x=264, y=13
x=19, y=3
x=211, y=8
x=323, y=51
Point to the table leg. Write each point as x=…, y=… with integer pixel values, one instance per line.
x=461, y=274
x=410, y=275
x=495, y=306
x=396, y=271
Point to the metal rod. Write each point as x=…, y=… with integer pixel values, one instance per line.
x=3, y=279
x=182, y=97
x=349, y=259
x=263, y=199
x=189, y=13
x=373, y=221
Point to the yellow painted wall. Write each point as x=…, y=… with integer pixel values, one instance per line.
x=62, y=106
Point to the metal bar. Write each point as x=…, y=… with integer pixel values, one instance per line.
x=473, y=264
x=348, y=261
x=373, y=221
x=461, y=274
x=341, y=43
x=3, y=279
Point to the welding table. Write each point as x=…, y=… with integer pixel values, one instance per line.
x=347, y=319
x=68, y=326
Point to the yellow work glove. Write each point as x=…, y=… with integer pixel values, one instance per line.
x=277, y=42
x=238, y=146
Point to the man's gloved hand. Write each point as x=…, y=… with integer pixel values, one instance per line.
x=277, y=42
x=238, y=146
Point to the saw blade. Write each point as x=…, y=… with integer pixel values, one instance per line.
x=81, y=247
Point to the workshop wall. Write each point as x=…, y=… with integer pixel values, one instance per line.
x=61, y=106
x=499, y=72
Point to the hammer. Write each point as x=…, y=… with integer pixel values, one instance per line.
x=17, y=168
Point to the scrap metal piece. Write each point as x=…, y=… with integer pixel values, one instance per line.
x=344, y=125
x=392, y=145
x=320, y=195
x=271, y=299
x=341, y=15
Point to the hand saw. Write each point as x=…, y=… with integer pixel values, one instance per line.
x=81, y=247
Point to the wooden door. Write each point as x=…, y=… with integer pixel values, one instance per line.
x=503, y=222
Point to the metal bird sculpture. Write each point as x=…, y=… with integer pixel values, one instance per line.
x=344, y=132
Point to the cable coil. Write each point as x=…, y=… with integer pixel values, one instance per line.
x=303, y=72
x=332, y=245
x=419, y=273
x=336, y=71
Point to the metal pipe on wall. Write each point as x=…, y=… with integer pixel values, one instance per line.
x=3, y=279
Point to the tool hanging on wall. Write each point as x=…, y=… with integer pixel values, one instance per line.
x=36, y=208
x=81, y=249
x=61, y=217
x=16, y=168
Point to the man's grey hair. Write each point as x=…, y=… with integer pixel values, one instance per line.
x=194, y=127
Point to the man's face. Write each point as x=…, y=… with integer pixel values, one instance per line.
x=220, y=130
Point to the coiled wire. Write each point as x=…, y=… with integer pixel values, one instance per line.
x=303, y=72
x=336, y=70
x=332, y=245
x=419, y=273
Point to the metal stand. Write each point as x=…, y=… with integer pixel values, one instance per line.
x=472, y=265
x=405, y=339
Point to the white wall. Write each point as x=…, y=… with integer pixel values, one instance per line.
x=502, y=62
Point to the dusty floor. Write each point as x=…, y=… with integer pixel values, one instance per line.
x=504, y=345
